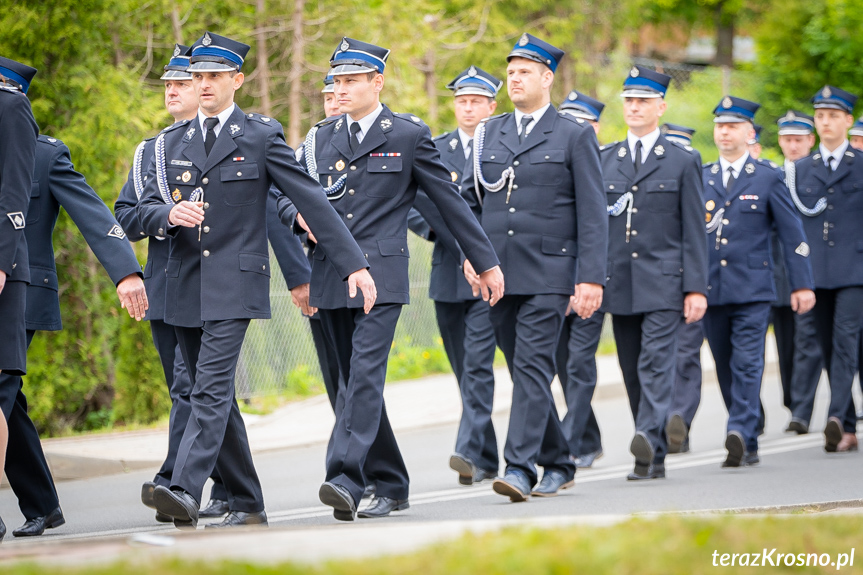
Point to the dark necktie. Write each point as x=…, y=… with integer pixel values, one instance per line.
x=830, y=163
x=636, y=157
x=729, y=185
x=355, y=139
x=525, y=120
x=469, y=149
x=210, y=125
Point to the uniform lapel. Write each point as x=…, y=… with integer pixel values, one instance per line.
x=375, y=136
x=224, y=144
x=195, y=145
x=744, y=179
x=819, y=169
x=654, y=157
x=624, y=161
x=509, y=134
x=341, y=139
x=842, y=169
x=539, y=132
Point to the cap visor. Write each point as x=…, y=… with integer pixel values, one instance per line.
x=211, y=67
x=176, y=75
x=473, y=91
x=580, y=114
x=856, y=132
x=794, y=132
x=345, y=69
x=527, y=54
x=640, y=94
x=328, y=89
x=832, y=106
x=730, y=119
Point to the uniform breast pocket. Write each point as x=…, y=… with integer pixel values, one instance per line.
x=549, y=168
x=662, y=195
x=493, y=163
x=242, y=192
x=35, y=209
x=852, y=187
x=385, y=187
x=753, y=207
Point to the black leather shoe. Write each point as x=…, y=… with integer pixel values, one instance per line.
x=465, y=468
x=340, y=499
x=654, y=471
x=736, y=449
x=147, y=494
x=676, y=432
x=2, y=530
x=586, y=461
x=797, y=426
x=643, y=452
x=38, y=525
x=215, y=508
x=514, y=485
x=832, y=434
x=369, y=491
x=751, y=458
x=177, y=504
x=484, y=475
x=162, y=518
x=552, y=482
x=241, y=519
x=382, y=506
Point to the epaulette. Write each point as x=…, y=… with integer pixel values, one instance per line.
x=712, y=166
x=265, y=120
x=11, y=89
x=48, y=140
x=175, y=125
x=327, y=121
x=764, y=162
x=409, y=118
x=610, y=146
x=496, y=116
x=442, y=136
x=571, y=118
x=683, y=146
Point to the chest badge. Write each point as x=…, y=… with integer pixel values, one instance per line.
x=710, y=204
x=340, y=165
x=187, y=175
x=176, y=195
x=750, y=168
x=707, y=217
x=454, y=176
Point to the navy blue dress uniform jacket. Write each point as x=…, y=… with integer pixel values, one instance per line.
x=835, y=236
x=18, y=152
x=666, y=256
x=553, y=233
x=56, y=184
x=227, y=274
x=741, y=261
x=396, y=157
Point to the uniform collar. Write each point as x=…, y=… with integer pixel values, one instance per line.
x=838, y=153
x=366, y=122
x=465, y=139
x=737, y=164
x=648, y=141
x=536, y=115
x=222, y=116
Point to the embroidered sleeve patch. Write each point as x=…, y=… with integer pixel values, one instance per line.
x=17, y=219
x=116, y=232
x=802, y=249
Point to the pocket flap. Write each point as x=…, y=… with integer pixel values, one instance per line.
x=393, y=247
x=237, y=172
x=760, y=261
x=379, y=164
x=661, y=185
x=615, y=187
x=547, y=157
x=557, y=246
x=178, y=177
x=172, y=268
x=257, y=263
x=495, y=157
x=148, y=269
x=43, y=277
x=671, y=268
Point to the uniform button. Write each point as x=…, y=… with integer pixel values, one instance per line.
x=491, y=157
x=724, y=221
x=611, y=186
x=512, y=210
x=143, y=234
x=829, y=190
x=661, y=186
x=754, y=206
x=765, y=264
x=206, y=253
x=264, y=268
x=546, y=157
x=727, y=204
x=366, y=256
x=563, y=250
x=350, y=216
x=831, y=244
x=403, y=250
x=161, y=231
x=383, y=167
x=510, y=233
x=178, y=178
x=724, y=241
x=635, y=255
x=351, y=192
x=206, y=205
x=634, y=233
x=709, y=287
x=239, y=173
x=515, y=163
x=145, y=178
x=515, y=186
x=830, y=206
x=634, y=210
x=353, y=168
x=206, y=229
x=44, y=281
x=205, y=180
x=723, y=263
x=634, y=188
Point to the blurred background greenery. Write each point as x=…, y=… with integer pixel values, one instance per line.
x=98, y=90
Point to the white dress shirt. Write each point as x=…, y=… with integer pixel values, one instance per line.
x=837, y=154
x=736, y=167
x=536, y=115
x=647, y=143
x=222, y=116
x=365, y=123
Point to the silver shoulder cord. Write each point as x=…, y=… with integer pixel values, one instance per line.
x=791, y=182
x=161, y=172
x=137, y=180
x=507, y=174
x=715, y=225
x=332, y=192
x=624, y=202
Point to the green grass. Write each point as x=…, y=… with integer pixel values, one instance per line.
x=668, y=545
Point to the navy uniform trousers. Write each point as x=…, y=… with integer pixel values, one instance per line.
x=575, y=362
x=686, y=396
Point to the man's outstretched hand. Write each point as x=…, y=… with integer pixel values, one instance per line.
x=363, y=279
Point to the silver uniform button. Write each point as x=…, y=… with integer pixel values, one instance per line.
x=723, y=263
x=634, y=233
x=515, y=163
x=350, y=216
x=512, y=210
x=724, y=221
x=44, y=281
x=635, y=255
x=205, y=181
x=634, y=188
x=206, y=229
x=264, y=268
x=634, y=210
x=206, y=205
x=353, y=168
x=515, y=186
x=724, y=241
x=161, y=231
x=143, y=234
x=383, y=167
x=239, y=173
x=351, y=192
x=206, y=253
x=510, y=233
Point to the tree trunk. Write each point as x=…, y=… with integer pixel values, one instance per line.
x=724, y=37
x=295, y=101
x=175, y=25
x=431, y=86
x=263, y=58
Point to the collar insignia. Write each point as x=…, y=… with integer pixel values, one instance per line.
x=190, y=132
x=621, y=153
x=386, y=124
x=453, y=144
x=714, y=169
x=750, y=168
x=659, y=150
x=339, y=124
x=234, y=129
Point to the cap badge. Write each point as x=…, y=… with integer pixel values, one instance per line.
x=726, y=102
x=453, y=143
x=710, y=204
x=714, y=169
x=659, y=150
x=826, y=92
x=340, y=165
x=523, y=40
x=176, y=50
x=634, y=72
x=750, y=168
x=573, y=95
x=454, y=176
x=621, y=152
x=472, y=71
x=386, y=123
x=187, y=175
x=234, y=129
x=790, y=116
x=207, y=40
x=344, y=46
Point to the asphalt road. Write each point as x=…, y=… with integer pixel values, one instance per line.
x=795, y=470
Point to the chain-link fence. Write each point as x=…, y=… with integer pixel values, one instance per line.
x=279, y=355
